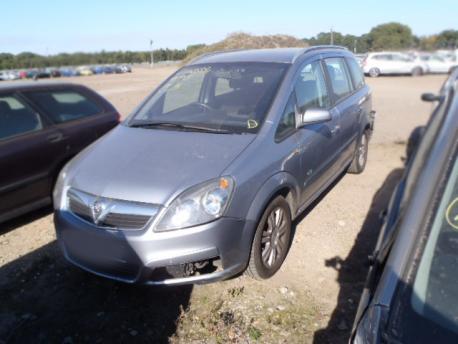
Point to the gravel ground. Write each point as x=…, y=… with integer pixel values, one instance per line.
x=311, y=299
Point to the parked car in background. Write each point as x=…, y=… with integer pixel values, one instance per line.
x=10, y=75
x=97, y=69
x=108, y=70
x=85, y=71
x=68, y=71
x=42, y=126
x=439, y=64
x=38, y=74
x=126, y=68
x=360, y=58
x=205, y=179
x=54, y=72
x=383, y=63
x=411, y=293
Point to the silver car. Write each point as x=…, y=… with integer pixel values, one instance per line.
x=205, y=178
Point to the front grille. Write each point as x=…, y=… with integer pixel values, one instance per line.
x=126, y=220
x=109, y=212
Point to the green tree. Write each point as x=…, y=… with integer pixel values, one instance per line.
x=390, y=36
x=351, y=42
x=447, y=39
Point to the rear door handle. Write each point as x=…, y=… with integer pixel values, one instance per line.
x=56, y=137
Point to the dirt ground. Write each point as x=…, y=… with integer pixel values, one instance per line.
x=313, y=297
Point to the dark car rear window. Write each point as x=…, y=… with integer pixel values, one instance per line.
x=16, y=117
x=65, y=105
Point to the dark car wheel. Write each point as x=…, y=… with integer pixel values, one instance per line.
x=374, y=72
x=271, y=240
x=359, y=160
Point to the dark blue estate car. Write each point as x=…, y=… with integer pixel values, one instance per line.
x=411, y=293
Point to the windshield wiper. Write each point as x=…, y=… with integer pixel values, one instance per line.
x=180, y=127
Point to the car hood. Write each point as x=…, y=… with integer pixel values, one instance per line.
x=152, y=165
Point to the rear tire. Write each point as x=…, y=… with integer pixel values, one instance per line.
x=374, y=72
x=271, y=240
x=360, y=159
x=417, y=71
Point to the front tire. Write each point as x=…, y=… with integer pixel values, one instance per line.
x=374, y=72
x=360, y=159
x=271, y=241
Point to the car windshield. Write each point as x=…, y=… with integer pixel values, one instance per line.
x=224, y=97
x=435, y=292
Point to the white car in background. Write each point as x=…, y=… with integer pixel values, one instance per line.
x=380, y=63
x=440, y=64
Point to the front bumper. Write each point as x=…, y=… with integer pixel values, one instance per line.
x=135, y=256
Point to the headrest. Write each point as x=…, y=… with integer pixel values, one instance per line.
x=5, y=108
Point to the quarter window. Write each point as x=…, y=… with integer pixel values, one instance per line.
x=288, y=120
x=65, y=106
x=356, y=73
x=338, y=74
x=16, y=117
x=310, y=88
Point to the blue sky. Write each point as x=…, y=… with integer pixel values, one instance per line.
x=47, y=26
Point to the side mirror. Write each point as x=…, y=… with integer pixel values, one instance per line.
x=430, y=97
x=311, y=116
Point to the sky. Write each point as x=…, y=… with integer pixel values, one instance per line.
x=55, y=26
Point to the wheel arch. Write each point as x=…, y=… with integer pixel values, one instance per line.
x=281, y=184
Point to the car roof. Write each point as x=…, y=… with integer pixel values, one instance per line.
x=277, y=55
x=33, y=85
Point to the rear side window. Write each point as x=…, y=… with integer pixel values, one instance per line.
x=64, y=106
x=383, y=57
x=356, y=73
x=338, y=75
x=16, y=117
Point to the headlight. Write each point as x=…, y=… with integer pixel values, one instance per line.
x=57, y=195
x=197, y=205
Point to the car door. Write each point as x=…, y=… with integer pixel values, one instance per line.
x=80, y=117
x=29, y=149
x=344, y=102
x=317, y=143
x=384, y=63
x=438, y=65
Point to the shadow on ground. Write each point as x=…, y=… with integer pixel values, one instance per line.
x=46, y=300
x=24, y=219
x=353, y=269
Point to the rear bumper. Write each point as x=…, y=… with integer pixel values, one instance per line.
x=135, y=257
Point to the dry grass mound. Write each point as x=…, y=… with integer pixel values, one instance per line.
x=241, y=40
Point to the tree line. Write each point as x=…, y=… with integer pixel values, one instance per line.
x=32, y=60
x=389, y=36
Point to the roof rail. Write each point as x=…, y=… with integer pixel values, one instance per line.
x=319, y=47
x=211, y=53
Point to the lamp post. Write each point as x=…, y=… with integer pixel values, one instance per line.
x=151, y=48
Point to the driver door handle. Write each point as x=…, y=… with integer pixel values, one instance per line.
x=56, y=137
x=335, y=130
